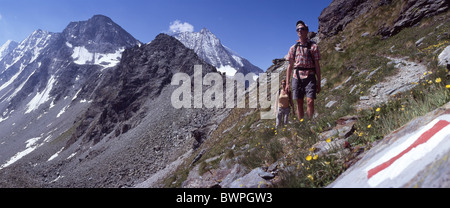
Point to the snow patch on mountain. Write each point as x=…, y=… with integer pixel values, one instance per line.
x=30, y=147
x=41, y=97
x=81, y=56
x=228, y=70
x=13, y=78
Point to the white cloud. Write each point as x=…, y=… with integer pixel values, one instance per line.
x=177, y=26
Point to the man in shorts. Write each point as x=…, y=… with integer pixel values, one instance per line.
x=304, y=67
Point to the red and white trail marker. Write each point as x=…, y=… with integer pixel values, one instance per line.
x=412, y=147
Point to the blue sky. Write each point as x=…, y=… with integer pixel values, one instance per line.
x=257, y=30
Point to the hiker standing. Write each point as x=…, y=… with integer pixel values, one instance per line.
x=304, y=59
x=283, y=105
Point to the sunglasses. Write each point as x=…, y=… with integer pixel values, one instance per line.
x=302, y=29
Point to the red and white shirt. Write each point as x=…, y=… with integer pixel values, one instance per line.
x=303, y=59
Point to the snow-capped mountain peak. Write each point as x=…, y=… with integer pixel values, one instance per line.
x=209, y=48
x=99, y=34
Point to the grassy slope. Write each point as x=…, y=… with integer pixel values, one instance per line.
x=258, y=143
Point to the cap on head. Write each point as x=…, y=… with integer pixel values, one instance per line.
x=300, y=22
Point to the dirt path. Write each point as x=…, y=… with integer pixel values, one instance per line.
x=409, y=73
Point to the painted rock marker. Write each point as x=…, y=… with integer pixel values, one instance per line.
x=424, y=141
x=415, y=155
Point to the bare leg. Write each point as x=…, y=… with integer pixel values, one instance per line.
x=300, y=112
x=310, y=107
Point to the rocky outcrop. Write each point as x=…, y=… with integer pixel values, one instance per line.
x=412, y=12
x=340, y=13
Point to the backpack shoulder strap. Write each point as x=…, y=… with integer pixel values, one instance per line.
x=295, y=49
x=309, y=45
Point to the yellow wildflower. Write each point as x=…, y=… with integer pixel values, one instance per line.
x=447, y=86
x=369, y=126
x=378, y=109
x=312, y=149
x=327, y=163
x=315, y=157
x=328, y=140
x=438, y=80
x=361, y=134
x=301, y=120
x=308, y=158
x=430, y=82
x=311, y=177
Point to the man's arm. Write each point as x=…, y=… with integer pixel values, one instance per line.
x=288, y=75
x=319, y=78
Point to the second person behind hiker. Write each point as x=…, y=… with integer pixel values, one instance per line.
x=283, y=105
